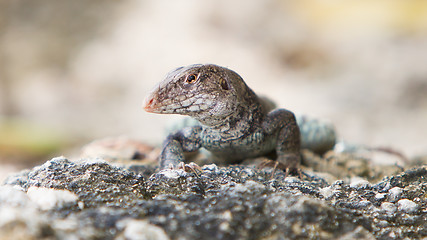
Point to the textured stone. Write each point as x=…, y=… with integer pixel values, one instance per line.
x=49, y=198
x=406, y=205
x=234, y=202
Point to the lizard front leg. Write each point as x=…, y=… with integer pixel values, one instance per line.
x=288, y=138
x=185, y=140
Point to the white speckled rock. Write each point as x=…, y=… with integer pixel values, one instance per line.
x=394, y=194
x=388, y=207
x=327, y=192
x=49, y=198
x=173, y=173
x=359, y=183
x=210, y=167
x=207, y=204
x=407, y=206
x=141, y=229
x=13, y=195
x=380, y=196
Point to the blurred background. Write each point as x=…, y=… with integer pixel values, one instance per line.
x=75, y=71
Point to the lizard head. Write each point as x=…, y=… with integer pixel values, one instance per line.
x=205, y=92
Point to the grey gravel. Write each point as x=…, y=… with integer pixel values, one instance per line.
x=394, y=194
x=406, y=205
x=135, y=201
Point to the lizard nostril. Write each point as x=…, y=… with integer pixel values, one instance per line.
x=149, y=103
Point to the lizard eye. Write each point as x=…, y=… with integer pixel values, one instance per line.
x=224, y=84
x=191, y=78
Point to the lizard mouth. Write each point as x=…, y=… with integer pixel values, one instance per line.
x=150, y=104
x=154, y=104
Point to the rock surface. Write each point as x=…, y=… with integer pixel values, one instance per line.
x=95, y=199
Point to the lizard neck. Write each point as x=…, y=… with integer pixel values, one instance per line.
x=247, y=112
x=240, y=122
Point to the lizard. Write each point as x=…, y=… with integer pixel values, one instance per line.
x=235, y=124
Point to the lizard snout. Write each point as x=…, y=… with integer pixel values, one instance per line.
x=149, y=103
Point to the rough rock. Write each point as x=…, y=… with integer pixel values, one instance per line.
x=92, y=199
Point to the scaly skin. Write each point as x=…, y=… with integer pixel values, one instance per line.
x=235, y=123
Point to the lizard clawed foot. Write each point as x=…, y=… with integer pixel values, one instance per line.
x=276, y=164
x=288, y=169
x=189, y=167
x=180, y=169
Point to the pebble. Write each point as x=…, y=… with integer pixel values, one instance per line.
x=394, y=194
x=364, y=204
x=383, y=224
x=13, y=195
x=210, y=167
x=117, y=148
x=173, y=173
x=389, y=207
x=49, y=198
x=249, y=185
x=142, y=229
x=380, y=196
x=327, y=192
x=291, y=179
x=359, y=183
x=407, y=206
